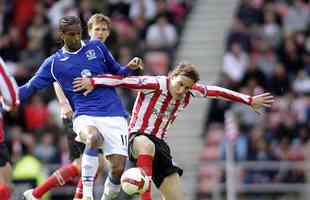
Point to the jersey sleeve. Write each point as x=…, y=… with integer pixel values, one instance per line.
x=199, y=90
x=226, y=94
x=8, y=86
x=130, y=82
x=42, y=79
x=114, y=67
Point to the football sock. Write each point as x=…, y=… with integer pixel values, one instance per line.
x=145, y=162
x=5, y=192
x=111, y=188
x=90, y=163
x=114, y=179
x=59, y=178
x=79, y=190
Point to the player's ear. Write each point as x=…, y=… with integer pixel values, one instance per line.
x=58, y=38
x=60, y=35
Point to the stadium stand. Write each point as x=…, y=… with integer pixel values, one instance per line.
x=267, y=48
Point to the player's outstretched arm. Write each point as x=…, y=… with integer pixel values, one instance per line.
x=256, y=102
x=65, y=108
x=42, y=79
x=131, y=82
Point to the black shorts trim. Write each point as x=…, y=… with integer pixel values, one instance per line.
x=163, y=164
x=4, y=155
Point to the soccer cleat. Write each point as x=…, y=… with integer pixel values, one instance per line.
x=87, y=198
x=28, y=195
x=110, y=191
x=111, y=196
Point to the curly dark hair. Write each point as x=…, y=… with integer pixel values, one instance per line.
x=66, y=21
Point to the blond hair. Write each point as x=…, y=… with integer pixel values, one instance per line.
x=99, y=18
x=186, y=69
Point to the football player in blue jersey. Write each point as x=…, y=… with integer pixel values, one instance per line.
x=99, y=118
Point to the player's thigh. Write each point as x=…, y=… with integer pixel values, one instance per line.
x=115, y=133
x=142, y=145
x=83, y=126
x=171, y=188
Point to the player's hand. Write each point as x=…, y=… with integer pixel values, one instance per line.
x=84, y=83
x=135, y=63
x=262, y=100
x=7, y=107
x=66, y=111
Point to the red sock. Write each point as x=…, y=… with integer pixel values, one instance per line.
x=5, y=192
x=146, y=163
x=79, y=190
x=59, y=178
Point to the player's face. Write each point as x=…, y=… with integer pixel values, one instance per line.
x=99, y=31
x=179, y=86
x=72, y=37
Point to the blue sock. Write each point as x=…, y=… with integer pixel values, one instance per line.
x=114, y=179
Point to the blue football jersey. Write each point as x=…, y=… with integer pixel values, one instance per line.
x=91, y=59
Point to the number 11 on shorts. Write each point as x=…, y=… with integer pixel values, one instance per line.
x=124, y=140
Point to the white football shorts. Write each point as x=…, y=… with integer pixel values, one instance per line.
x=113, y=129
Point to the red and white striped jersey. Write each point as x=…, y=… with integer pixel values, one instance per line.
x=155, y=109
x=8, y=90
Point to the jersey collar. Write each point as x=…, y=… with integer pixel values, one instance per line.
x=75, y=52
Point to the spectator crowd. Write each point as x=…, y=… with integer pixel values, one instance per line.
x=267, y=49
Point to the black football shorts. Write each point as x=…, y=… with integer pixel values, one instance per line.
x=163, y=164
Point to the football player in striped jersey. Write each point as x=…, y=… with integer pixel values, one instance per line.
x=158, y=102
x=9, y=100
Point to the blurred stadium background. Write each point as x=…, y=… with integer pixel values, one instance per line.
x=244, y=45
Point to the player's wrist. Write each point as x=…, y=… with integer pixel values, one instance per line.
x=63, y=103
x=250, y=101
x=92, y=82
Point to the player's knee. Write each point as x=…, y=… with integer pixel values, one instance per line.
x=94, y=139
x=91, y=140
x=143, y=145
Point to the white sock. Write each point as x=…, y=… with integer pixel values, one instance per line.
x=110, y=189
x=90, y=163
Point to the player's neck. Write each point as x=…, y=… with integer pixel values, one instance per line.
x=66, y=49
